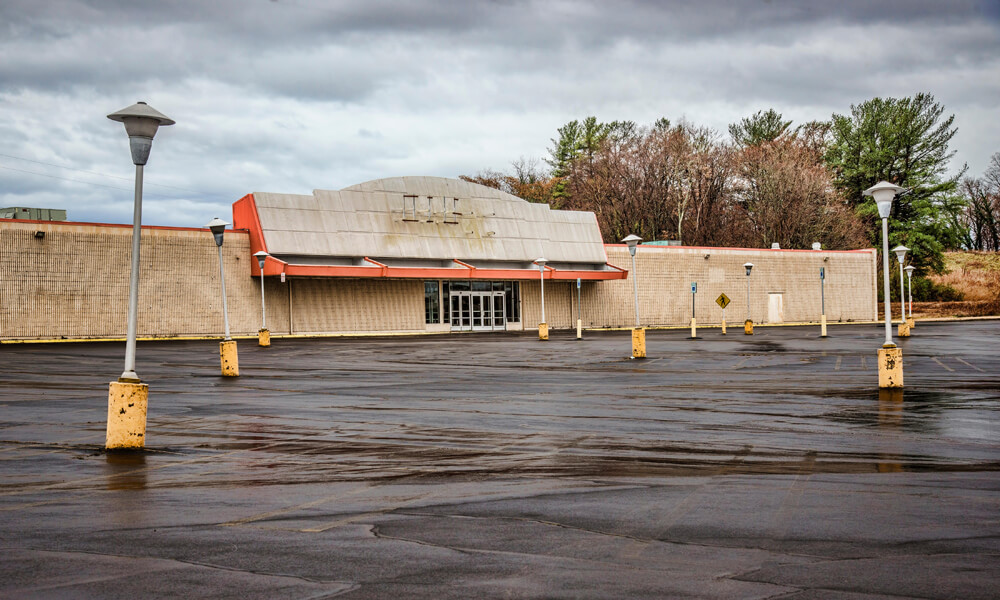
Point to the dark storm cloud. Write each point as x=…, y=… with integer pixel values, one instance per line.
x=289, y=95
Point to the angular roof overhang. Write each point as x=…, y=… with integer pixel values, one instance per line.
x=245, y=216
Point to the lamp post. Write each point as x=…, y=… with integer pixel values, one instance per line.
x=227, y=347
x=890, y=364
x=638, y=333
x=128, y=397
x=904, y=327
x=543, y=327
x=264, y=335
x=909, y=281
x=748, y=324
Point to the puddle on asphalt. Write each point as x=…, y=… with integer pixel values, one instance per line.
x=126, y=470
x=763, y=346
x=914, y=410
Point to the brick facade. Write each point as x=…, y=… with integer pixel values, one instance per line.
x=73, y=283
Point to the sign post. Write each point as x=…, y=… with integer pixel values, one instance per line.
x=822, y=299
x=694, y=323
x=579, y=311
x=723, y=302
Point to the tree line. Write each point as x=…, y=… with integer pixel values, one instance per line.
x=771, y=181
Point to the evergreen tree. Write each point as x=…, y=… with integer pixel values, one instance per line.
x=759, y=128
x=903, y=141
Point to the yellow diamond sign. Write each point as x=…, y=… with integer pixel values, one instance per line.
x=722, y=300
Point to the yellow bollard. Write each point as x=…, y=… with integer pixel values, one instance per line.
x=694, y=328
x=903, y=330
x=748, y=327
x=890, y=367
x=264, y=338
x=579, y=329
x=230, y=361
x=543, y=331
x=638, y=343
x=126, y=415
x=911, y=322
x=723, y=327
x=822, y=326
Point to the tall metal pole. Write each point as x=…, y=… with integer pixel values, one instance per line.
x=909, y=279
x=635, y=290
x=225, y=309
x=263, y=311
x=541, y=277
x=748, y=296
x=133, y=288
x=885, y=281
x=902, y=294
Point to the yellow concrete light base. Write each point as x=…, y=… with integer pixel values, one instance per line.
x=890, y=367
x=230, y=361
x=903, y=330
x=264, y=338
x=126, y=415
x=822, y=326
x=579, y=329
x=911, y=322
x=748, y=327
x=694, y=328
x=638, y=343
x=543, y=331
x=723, y=327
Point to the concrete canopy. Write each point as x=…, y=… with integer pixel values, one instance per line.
x=422, y=227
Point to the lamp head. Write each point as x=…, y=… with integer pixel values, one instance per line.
x=632, y=240
x=909, y=270
x=541, y=263
x=900, y=251
x=141, y=122
x=261, y=257
x=749, y=267
x=883, y=192
x=218, y=226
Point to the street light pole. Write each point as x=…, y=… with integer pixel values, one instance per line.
x=822, y=301
x=904, y=327
x=227, y=348
x=543, y=327
x=638, y=333
x=909, y=280
x=748, y=324
x=128, y=397
x=264, y=335
x=890, y=357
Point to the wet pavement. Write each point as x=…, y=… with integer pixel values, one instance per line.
x=498, y=466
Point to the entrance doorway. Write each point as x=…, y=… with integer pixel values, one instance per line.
x=477, y=311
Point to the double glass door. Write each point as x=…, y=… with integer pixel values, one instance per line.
x=477, y=311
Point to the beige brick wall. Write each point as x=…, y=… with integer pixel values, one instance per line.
x=74, y=283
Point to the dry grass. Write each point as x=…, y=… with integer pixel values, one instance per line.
x=977, y=276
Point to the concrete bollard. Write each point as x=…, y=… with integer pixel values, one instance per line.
x=230, y=361
x=543, y=331
x=264, y=338
x=723, y=327
x=579, y=329
x=127, y=404
x=748, y=327
x=890, y=367
x=822, y=326
x=638, y=343
x=903, y=330
x=694, y=328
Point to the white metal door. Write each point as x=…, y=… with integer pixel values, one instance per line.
x=775, y=308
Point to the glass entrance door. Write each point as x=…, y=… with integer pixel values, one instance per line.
x=478, y=311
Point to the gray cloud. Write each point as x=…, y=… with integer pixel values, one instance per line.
x=299, y=94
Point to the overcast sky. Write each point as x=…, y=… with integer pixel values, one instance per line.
x=295, y=95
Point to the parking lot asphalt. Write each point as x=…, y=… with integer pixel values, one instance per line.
x=499, y=466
